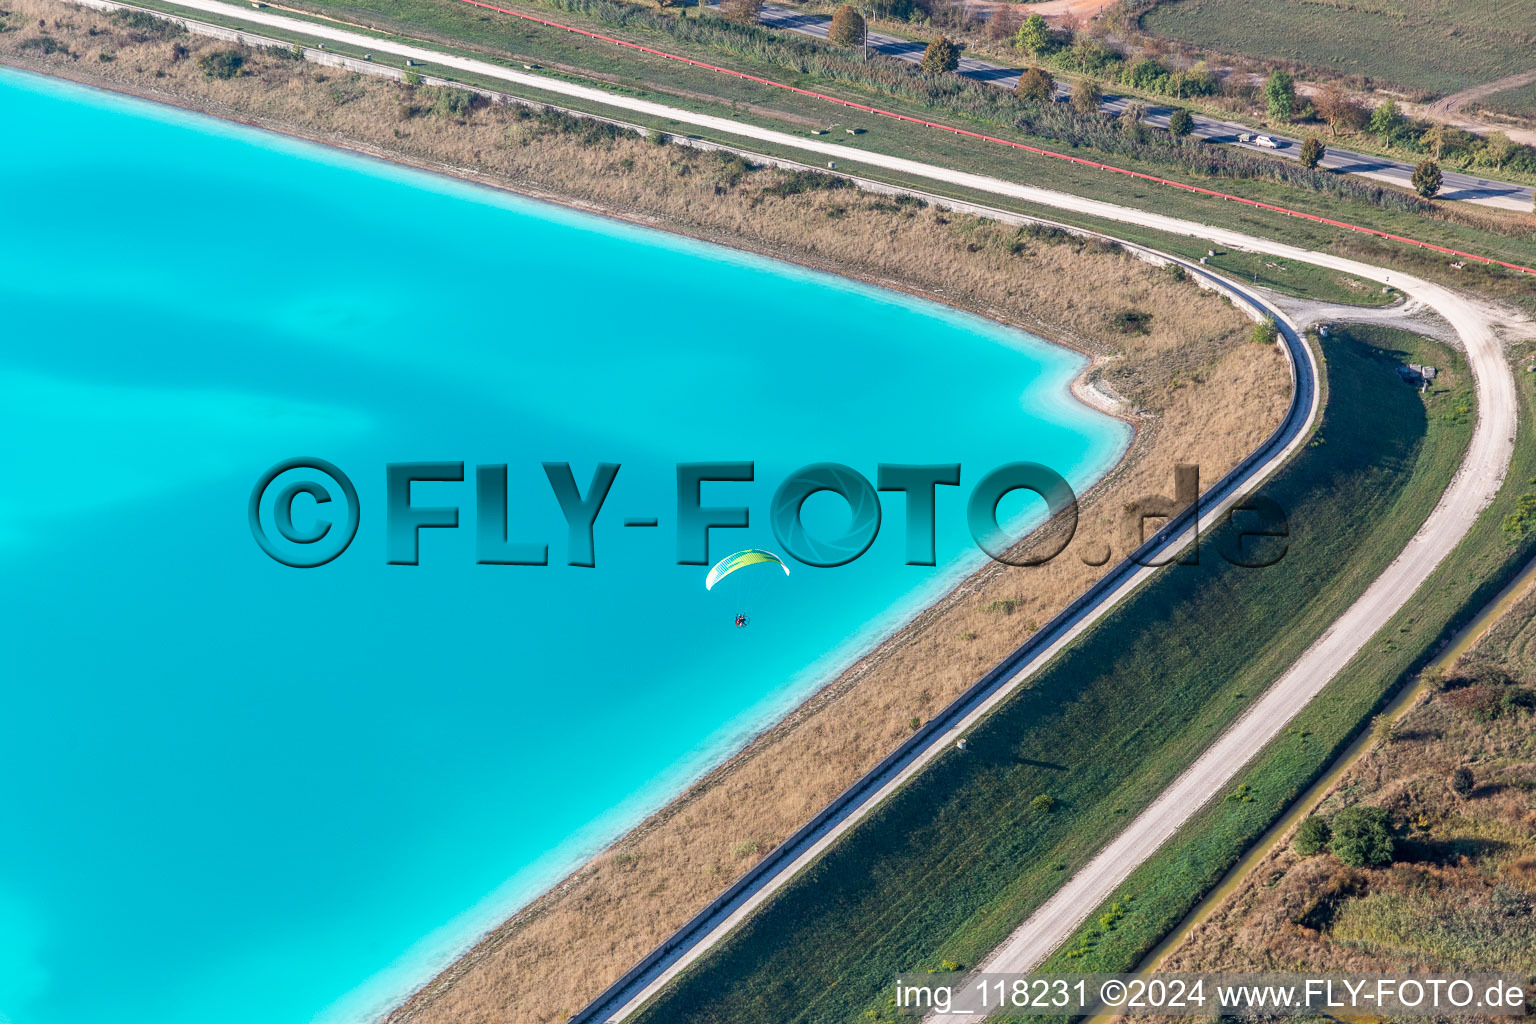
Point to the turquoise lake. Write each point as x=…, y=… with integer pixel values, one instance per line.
x=242, y=793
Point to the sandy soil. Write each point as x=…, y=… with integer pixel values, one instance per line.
x=1450, y=108
x=1052, y=10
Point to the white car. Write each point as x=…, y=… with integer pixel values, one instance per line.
x=1266, y=142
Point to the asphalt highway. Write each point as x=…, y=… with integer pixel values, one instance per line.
x=1458, y=185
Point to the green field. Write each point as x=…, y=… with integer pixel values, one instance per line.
x=950, y=864
x=1519, y=102
x=1438, y=46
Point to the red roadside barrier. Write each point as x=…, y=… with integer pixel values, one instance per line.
x=1003, y=142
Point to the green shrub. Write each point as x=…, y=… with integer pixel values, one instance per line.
x=1266, y=332
x=795, y=183
x=44, y=44
x=1312, y=152
x=222, y=63
x=1312, y=837
x=1427, y=179
x=1043, y=804
x=148, y=26
x=940, y=57
x=847, y=27
x=1036, y=85
x=454, y=103
x=1362, y=837
x=1131, y=321
x=1520, y=698
x=1033, y=37
x=1463, y=782
x=1280, y=96
x=1521, y=521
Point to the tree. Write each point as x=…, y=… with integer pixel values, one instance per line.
x=1362, y=837
x=743, y=12
x=1280, y=95
x=1497, y=149
x=1150, y=75
x=1086, y=97
x=1385, y=123
x=1312, y=837
x=1090, y=54
x=1312, y=152
x=1044, y=803
x=1034, y=38
x=1343, y=114
x=1036, y=85
x=1130, y=123
x=1427, y=179
x=941, y=56
x=1199, y=80
x=1003, y=24
x=1434, y=139
x=1463, y=781
x=1180, y=123
x=848, y=27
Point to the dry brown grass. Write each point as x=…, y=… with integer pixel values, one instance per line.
x=1196, y=390
x=1462, y=894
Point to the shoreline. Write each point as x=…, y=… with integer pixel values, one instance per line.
x=908, y=628
x=1080, y=386
x=834, y=681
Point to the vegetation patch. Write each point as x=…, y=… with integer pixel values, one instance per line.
x=1405, y=43
x=223, y=64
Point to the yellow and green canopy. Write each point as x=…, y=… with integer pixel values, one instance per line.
x=740, y=560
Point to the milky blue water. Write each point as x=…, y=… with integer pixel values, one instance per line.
x=236, y=792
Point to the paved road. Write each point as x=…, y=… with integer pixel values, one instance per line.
x=1458, y=185
x=1482, y=471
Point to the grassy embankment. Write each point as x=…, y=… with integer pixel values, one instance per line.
x=1169, y=884
x=946, y=868
x=1429, y=45
x=1461, y=890
x=513, y=42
